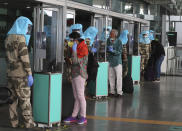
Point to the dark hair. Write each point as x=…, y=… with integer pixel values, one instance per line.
x=80, y=40
x=74, y=35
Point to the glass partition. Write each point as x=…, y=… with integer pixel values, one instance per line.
x=116, y=6
x=100, y=4
x=48, y=40
x=87, y=2
x=70, y=20
x=126, y=8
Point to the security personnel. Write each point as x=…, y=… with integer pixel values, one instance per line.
x=124, y=39
x=19, y=71
x=144, y=49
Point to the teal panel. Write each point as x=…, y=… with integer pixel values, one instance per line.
x=40, y=98
x=135, y=68
x=102, y=79
x=55, y=97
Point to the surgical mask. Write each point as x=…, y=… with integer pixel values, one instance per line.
x=88, y=43
x=70, y=43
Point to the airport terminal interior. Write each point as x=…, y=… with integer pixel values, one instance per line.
x=152, y=105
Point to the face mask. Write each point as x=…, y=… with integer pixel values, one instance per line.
x=88, y=43
x=70, y=43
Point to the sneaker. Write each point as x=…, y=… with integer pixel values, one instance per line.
x=157, y=80
x=70, y=120
x=82, y=120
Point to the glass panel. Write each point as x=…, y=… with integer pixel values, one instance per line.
x=88, y=2
x=100, y=4
x=126, y=8
x=50, y=28
x=140, y=10
x=70, y=21
x=116, y=6
x=154, y=10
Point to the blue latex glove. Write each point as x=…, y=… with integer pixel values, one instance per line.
x=30, y=80
x=110, y=48
x=94, y=50
x=74, y=47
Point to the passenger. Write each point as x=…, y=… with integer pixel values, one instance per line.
x=124, y=40
x=92, y=67
x=114, y=49
x=159, y=54
x=19, y=71
x=79, y=75
x=144, y=49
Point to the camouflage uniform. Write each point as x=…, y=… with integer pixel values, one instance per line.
x=144, y=50
x=18, y=68
x=124, y=60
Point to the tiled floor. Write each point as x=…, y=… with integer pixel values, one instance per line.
x=152, y=107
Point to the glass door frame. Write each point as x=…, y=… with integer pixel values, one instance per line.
x=103, y=21
x=39, y=27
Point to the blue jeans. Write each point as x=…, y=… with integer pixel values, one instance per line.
x=158, y=66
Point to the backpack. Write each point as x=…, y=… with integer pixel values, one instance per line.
x=128, y=84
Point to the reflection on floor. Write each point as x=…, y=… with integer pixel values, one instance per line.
x=152, y=107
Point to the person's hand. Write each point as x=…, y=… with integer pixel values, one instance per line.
x=94, y=50
x=74, y=47
x=30, y=80
x=110, y=48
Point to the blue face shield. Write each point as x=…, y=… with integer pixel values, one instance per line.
x=151, y=35
x=124, y=37
x=144, y=40
x=78, y=28
x=21, y=26
x=105, y=33
x=91, y=33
